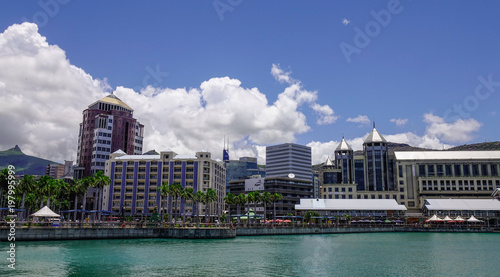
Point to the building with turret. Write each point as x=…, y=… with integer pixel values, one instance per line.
x=409, y=177
x=108, y=125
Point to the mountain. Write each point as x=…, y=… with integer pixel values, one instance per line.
x=24, y=164
x=484, y=146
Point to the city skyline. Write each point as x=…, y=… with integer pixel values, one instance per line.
x=426, y=77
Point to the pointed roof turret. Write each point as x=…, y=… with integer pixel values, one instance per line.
x=343, y=145
x=374, y=136
x=328, y=162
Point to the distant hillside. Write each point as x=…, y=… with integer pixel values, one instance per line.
x=24, y=164
x=484, y=146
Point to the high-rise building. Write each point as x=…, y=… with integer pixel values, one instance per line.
x=289, y=160
x=108, y=125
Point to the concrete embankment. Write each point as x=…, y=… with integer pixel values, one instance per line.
x=25, y=234
x=343, y=230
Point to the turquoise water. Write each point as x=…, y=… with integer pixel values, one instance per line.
x=377, y=254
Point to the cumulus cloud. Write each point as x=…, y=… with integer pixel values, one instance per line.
x=399, y=121
x=456, y=132
x=46, y=96
x=361, y=119
x=42, y=95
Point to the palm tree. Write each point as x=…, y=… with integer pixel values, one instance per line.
x=101, y=181
x=274, y=198
x=266, y=199
x=230, y=199
x=187, y=194
x=79, y=189
x=250, y=199
x=257, y=198
x=176, y=191
x=4, y=184
x=210, y=196
x=26, y=185
x=164, y=193
x=241, y=199
x=198, y=197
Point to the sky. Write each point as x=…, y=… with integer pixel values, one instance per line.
x=257, y=72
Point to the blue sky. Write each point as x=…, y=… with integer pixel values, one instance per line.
x=428, y=58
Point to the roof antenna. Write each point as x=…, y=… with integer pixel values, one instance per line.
x=373, y=124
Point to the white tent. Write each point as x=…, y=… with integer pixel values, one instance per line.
x=459, y=219
x=473, y=219
x=434, y=218
x=45, y=212
x=447, y=218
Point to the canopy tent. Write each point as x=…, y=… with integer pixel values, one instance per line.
x=473, y=219
x=434, y=218
x=447, y=218
x=250, y=214
x=459, y=219
x=45, y=212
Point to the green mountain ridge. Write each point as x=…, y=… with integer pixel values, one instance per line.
x=23, y=163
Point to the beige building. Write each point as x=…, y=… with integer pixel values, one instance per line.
x=135, y=180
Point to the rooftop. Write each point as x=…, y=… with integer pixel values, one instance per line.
x=112, y=99
x=462, y=204
x=350, y=204
x=447, y=155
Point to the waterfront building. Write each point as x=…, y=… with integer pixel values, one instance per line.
x=107, y=126
x=374, y=208
x=291, y=189
x=289, y=159
x=135, y=182
x=486, y=209
x=409, y=177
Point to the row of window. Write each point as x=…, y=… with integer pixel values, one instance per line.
x=460, y=185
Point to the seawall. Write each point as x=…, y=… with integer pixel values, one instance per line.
x=345, y=230
x=25, y=234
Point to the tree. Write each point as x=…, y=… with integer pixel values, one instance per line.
x=26, y=185
x=4, y=184
x=266, y=199
x=164, y=193
x=210, y=197
x=308, y=216
x=275, y=198
x=198, y=197
x=79, y=189
x=241, y=199
x=187, y=194
x=176, y=191
x=230, y=199
x=101, y=181
x=257, y=198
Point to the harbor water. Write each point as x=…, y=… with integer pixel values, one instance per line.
x=369, y=254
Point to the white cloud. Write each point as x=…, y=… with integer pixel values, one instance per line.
x=361, y=119
x=46, y=96
x=459, y=131
x=42, y=95
x=399, y=121
x=280, y=75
